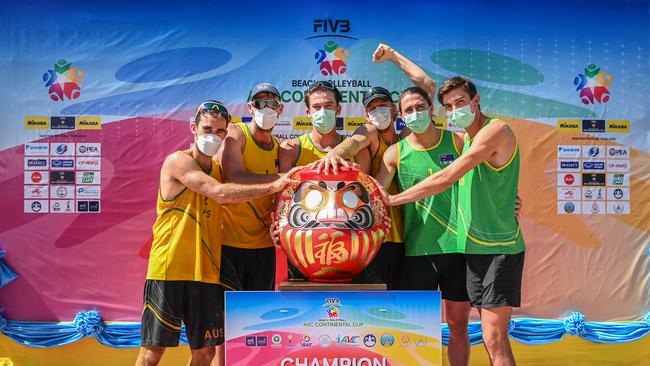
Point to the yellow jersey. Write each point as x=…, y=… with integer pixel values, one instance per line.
x=187, y=237
x=308, y=152
x=246, y=225
x=397, y=227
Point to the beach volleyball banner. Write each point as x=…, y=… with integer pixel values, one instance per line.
x=375, y=328
x=95, y=95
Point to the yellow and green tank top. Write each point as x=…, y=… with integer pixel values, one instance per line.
x=308, y=152
x=486, y=207
x=430, y=223
x=187, y=237
x=246, y=225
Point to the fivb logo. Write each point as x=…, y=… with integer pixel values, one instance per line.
x=332, y=26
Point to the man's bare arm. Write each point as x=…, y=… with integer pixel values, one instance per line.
x=288, y=154
x=486, y=144
x=185, y=170
x=388, y=167
x=412, y=71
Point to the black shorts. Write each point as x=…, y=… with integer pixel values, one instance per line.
x=198, y=305
x=386, y=267
x=248, y=269
x=494, y=280
x=439, y=271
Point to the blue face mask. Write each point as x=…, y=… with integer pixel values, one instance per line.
x=418, y=122
x=324, y=120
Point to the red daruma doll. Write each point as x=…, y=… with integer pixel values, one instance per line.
x=331, y=226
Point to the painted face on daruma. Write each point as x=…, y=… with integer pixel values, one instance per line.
x=331, y=204
x=331, y=226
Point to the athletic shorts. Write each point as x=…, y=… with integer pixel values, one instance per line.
x=248, y=269
x=168, y=304
x=439, y=271
x=494, y=280
x=386, y=267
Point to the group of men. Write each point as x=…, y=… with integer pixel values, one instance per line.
x=452, y=198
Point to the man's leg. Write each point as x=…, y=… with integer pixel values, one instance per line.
x=202, y=356
x=453, y=284
x=219, y=357
x=494, y=285
x=161, y=319
x=204, y=321
x=494, y=323
x=457, y=319
x=149, y=356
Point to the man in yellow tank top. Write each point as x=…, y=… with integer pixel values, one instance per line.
x=323, y=101
x=251, y=156
x=184, y=283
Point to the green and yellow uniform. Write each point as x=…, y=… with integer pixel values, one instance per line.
x=185, y=268
x=247, y=224
x=486, y=206
x=430, y=223
x=187, y=237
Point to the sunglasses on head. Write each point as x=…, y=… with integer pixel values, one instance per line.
x=378, y=90
x=263, y=103
x=212, y=106
x=321, y=84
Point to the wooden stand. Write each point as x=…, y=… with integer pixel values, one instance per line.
x=317, y=286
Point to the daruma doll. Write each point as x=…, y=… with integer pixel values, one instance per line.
x=331, y=226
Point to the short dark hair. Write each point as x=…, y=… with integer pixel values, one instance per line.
x=454, y=83
x=325, y=86
x=413, y=90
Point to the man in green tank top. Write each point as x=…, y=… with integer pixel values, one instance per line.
x=487, y=175
x=368, y=145
x=433, y=258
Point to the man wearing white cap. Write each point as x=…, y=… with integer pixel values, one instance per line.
x=250, y=156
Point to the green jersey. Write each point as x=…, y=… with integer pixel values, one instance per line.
x=486, y=207
x=430, y=223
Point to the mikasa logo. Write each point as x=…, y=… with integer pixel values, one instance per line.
x=618, y=126
x=568, y=125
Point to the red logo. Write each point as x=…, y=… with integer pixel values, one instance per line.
x=569, y=179
x=36, y=177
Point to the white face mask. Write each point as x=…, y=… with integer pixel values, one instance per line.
x=380, y=117
x=208, y=144
x=265, y=118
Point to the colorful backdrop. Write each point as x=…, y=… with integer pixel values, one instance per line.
x=94, y=96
